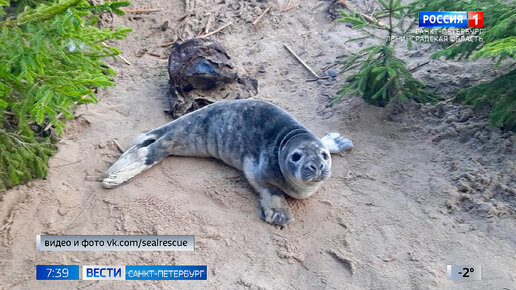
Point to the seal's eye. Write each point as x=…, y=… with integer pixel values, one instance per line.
x=295, y=157
x=325, y=156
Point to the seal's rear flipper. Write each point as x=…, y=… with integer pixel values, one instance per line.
x=336, y=143
x=141, y=156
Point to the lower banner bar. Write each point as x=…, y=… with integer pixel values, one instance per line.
x=166, y=273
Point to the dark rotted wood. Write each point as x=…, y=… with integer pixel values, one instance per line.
x=197, y=63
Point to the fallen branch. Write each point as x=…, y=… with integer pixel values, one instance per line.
x=446, y=101
x=290, y=8
x=182, y=17
x=120, y=148
x=141, y=10
x=216, y=30
x=287, y=8
x=330, y=66
x=366, y=17
x=119, y=55
x=418, y=66
x=208, y=25
x=57, y=117
x=255, y=22
x=302, y=62
x=156, y=55
x=124, y=59
x=165, y=44
x=66, y=164
x=47, y=127
x=321, y=78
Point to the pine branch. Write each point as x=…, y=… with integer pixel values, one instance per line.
x=51, y=60
x=41, y=14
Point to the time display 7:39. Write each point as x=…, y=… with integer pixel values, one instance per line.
x=57, y=272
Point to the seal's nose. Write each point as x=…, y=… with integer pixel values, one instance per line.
x=314, y=169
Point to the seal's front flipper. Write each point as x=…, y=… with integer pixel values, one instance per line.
x=142, y=155
x=274, y=208
x=336, y=143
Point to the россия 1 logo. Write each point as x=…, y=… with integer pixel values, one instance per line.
x=451, y=19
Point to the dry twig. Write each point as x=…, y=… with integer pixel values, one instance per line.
x=47, y=127
x=183, y=17
x=255, y=22
x=446, y=101
x=66, y=164
x=120, y=148
x=140, y=10
x=156, y=55
x=418, y=66
x=216, y=30
x=287, y=8
x=119, y=55
x=165, y=44
x=290, y=8
x=302, y=62
x=50, y=124
x=208, y=24
x=366, y=17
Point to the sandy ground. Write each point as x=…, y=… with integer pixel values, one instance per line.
x=421, y=189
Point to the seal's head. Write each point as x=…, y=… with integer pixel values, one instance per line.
x=305, y=163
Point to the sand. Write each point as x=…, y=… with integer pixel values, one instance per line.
x=424, y=187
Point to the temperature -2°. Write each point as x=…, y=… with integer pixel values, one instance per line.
x=464, y=272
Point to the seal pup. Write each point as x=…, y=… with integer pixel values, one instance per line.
x=277, y=154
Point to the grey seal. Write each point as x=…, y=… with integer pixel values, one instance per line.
x=277, y=154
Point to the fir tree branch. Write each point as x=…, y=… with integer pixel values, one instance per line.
x=40, y=14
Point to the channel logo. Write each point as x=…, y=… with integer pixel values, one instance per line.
x=451, y=19
x=103, y=272
x=147, y=272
